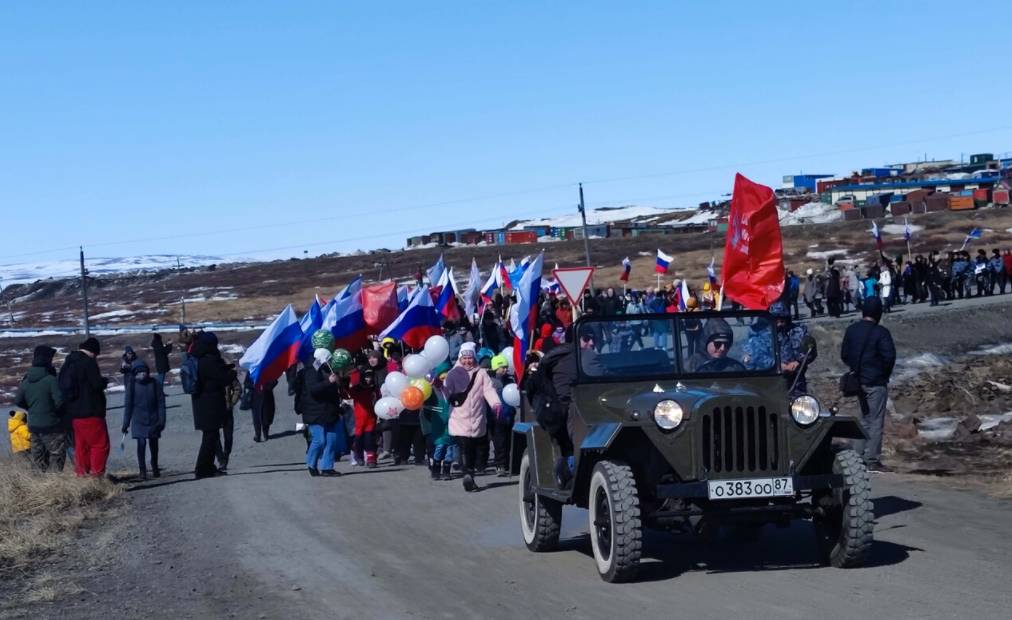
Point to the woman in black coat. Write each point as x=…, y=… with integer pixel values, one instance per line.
x=144, y=415
x=321, y=411
x=210, y=407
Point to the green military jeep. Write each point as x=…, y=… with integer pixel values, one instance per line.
x=684, y=422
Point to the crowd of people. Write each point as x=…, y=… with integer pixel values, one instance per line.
x=463, y=426
x=899, y=280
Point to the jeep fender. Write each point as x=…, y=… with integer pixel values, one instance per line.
x=835, y=427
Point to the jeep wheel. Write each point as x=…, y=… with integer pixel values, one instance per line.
x=845, y=530
x=540, y=517
x=615, y=531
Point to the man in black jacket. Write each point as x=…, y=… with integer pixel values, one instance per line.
x=83, y=388
x=210, y=407
x=869, y=351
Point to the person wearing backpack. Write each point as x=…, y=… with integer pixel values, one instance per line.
x=40, y=395
x=144, y=415
x=470, y=388
x=869, y=352
x=210, y=408
x=83, y=388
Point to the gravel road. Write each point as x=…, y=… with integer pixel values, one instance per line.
x=268, y=541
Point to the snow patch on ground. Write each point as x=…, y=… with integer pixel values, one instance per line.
x=233, y=349
x=601, y=216
x=22, y=273
x=899, y=230
x=810, y=213
x=826, y=254
x=998, y=349
x=112, y=314
x=548, y=239
x=910, y=367
x=937, y=429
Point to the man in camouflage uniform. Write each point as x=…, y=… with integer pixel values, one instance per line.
x=796, y=345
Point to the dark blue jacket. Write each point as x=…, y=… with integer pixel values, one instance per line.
x=143, y=404
x=879, y=353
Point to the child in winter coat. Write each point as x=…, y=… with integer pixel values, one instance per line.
x=17, y=426
x=144, y=415
x=364, y=393
x=436, y=416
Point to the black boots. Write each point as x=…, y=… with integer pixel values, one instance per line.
x=469, y=484
x=436, y=469
x=447, y=473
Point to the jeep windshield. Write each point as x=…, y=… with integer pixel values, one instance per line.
x=656, y=346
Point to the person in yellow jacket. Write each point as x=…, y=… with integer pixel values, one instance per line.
x=17, y=426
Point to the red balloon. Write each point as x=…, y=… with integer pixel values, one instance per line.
x=412, y=398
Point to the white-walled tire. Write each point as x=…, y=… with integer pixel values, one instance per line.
x=540, y=517
x=615, y=528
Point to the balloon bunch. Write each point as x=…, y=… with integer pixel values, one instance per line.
x=410, y=389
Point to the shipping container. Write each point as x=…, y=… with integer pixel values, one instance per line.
x=850, y=215
x=541, y=231
x=489, y=237
x=1000, y=197
x=521, y=236
x=500, y=237
x=873, y=211
x=982, y=195
x=472, y=238
x=919, y=207
x=899, y=208
x=897, y=198
x=960, y=203
x=981, y=158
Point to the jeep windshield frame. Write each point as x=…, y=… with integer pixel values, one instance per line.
x=669, y=362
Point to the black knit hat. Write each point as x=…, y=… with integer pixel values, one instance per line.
x=91, y=345
x=872, y=309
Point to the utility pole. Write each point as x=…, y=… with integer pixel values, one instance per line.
x=84, y=294
x=583, y=216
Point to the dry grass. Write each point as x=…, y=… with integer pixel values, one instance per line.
x=40, y=512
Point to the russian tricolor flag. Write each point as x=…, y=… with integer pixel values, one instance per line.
x=446, y=303
x=711, y=273
x=663, y=261
x=626, y=269
x=876, y=234
x=683, y=297
x=275, y=349
x=311, y=321
x=346, y=319
x=524, y=313
x=494, y=281
x=403, y=297
x=417, y=323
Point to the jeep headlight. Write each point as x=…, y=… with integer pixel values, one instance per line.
x=668, y=414
x=805, y=410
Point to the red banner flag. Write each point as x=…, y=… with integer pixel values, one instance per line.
x=379, y=306
x=753, y=267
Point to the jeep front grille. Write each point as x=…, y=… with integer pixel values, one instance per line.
x=741, y=439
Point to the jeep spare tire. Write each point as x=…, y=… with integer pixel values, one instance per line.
x=615, y=528
x=540, y=517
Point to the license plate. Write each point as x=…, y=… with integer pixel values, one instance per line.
x=755, y=487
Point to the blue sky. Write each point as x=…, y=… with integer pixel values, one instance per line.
x=265, y=128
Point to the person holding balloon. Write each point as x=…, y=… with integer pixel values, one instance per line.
x=502, y=422
x=469, y=389
x=321, y=405
x=364, y=394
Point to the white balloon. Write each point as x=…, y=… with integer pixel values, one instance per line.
x=384, y=390
x=322, y=356
x=388, y=408
x=416, y=366
x=508, y=354
x=396, y=382
x=436, y=349
x=511, y=394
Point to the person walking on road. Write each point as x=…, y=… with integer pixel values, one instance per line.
x=161, y=351
x=869, y=352
x=468, y=385
x=262, y=406
x=210, y=407
x=39, y=394
x=144, y=416
x=83, y=388
x=321, y=411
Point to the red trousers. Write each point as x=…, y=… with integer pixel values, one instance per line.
x=91, y=446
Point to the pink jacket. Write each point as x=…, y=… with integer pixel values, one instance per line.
x=468, y=420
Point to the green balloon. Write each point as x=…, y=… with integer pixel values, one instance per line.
x=340, y=360
x=323, y=339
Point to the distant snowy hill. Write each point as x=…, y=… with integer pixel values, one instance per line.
x=30, y=272
x=608, y=215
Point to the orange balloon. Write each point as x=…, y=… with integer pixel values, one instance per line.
x=412, y=398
